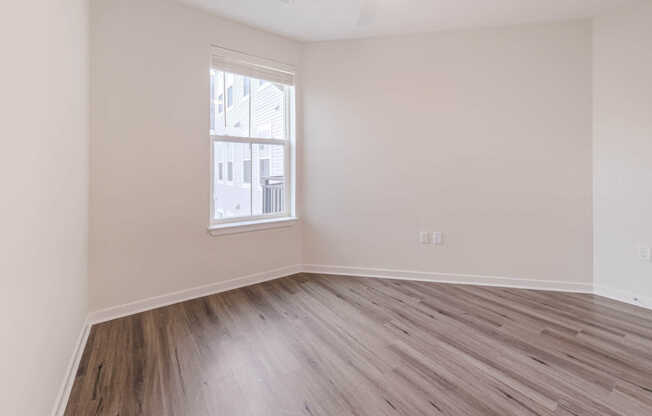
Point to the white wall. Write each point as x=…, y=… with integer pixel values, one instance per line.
x=150, y=154
x=623, y=152
x=44, y=182
x=483, y=135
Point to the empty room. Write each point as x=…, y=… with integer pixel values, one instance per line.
x=326, y=208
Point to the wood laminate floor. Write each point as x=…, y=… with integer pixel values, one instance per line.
x=325, y=345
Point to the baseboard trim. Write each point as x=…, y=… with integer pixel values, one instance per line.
x=623, y=296
x=455, y=278
x=71, y=371
x=131, y=308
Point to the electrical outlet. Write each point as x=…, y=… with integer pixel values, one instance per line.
x=645, y=253
x=424, y=237
x=436, y=238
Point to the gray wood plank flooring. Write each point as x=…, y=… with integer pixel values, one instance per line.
x=317, y=345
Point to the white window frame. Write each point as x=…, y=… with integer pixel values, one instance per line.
x=265, y=221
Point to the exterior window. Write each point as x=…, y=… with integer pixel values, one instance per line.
x=251, y=146
x=251, y=139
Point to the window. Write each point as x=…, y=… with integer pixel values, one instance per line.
x=251, y=139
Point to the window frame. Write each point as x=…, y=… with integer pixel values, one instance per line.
x=285, y=218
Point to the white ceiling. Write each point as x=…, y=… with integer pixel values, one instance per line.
x=315, y=20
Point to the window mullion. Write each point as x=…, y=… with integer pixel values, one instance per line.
x=267, y=141
x=254, y=140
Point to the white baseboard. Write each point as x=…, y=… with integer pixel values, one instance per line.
x=71, y=371
x=131, y=308
x=623, y=296
x=456, y=278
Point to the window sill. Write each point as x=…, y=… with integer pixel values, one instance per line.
x=249, y=226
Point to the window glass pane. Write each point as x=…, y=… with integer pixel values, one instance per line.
x=237, y=107
x=232, y=196
x=268, y=109
x=269, y=185
x=217, y=102
x=247, y=107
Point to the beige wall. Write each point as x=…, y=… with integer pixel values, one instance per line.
x=150, y=154
x=43, y=213
x=483, y=135
x=623, y=152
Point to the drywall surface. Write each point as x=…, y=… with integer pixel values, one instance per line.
x=483, y=135
x=623, y=152
x=44, y=182
x=150, y=154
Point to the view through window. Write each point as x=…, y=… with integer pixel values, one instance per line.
x=250, y=130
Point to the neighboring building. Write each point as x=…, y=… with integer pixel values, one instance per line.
x=249, y=179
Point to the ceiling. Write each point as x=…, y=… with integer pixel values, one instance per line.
x=316, y=20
